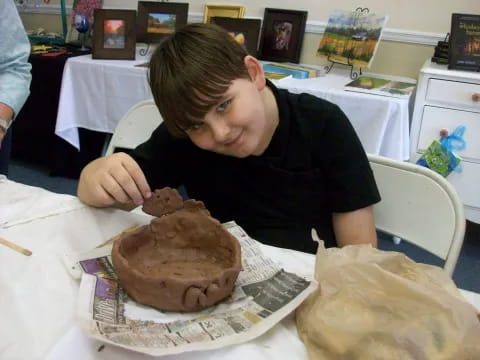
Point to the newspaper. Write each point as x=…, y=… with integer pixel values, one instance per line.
x=264, y=294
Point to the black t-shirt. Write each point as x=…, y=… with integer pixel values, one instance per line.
x=314, y=165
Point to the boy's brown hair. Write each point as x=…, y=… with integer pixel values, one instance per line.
x=191, y=70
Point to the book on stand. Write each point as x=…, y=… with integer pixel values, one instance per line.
x=381, y=86
x=464, y=49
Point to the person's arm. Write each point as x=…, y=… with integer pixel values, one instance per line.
x=116, y=180
x=15, y=69
x=355, y=227
x=6, y=113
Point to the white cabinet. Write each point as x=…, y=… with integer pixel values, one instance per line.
x=446, y=99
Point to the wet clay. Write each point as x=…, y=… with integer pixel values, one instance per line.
x=162, y=202
x=182, y=261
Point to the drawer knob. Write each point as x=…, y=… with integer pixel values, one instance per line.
x=443, y=133
x=476, y=97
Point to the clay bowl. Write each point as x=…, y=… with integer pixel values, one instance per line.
x=185, y=261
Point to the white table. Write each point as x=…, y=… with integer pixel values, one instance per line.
x=38, y=296
x=381, y=122
x=95, y=94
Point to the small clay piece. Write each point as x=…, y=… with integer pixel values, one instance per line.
x=195, y=205
x=183, y=261
x=163, y=202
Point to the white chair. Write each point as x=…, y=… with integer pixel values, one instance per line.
x=135, y=127
x=419, y=206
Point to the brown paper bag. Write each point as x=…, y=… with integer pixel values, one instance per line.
x=379, y=305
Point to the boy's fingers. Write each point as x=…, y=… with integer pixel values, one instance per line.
x=138, y=177
x=113, y=186
x=122, y=186
x=130, y=188
x=105, y=198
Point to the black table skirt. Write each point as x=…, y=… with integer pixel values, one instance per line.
x=34, y=140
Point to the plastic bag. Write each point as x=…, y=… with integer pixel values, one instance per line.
x=440, y=156
x=373, y=304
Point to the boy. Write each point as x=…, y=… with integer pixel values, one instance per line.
x=276, y=163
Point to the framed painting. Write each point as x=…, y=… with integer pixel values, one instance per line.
x=245, y=31
x=114, y=34
x=231, y=11
x=282, y=35
x=464, y=51
x=157, y=20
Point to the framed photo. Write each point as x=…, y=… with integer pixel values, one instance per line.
x=282, y=35
x=245, y=31
x=464, y=52
x=157, y=20
x=232, y=11
x=114, y=34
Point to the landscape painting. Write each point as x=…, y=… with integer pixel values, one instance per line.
x=351, y=37
x=161, y=23
x=114, y=34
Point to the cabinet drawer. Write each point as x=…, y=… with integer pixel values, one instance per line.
x=453, y=93
x=435, y=118
x=465, y=182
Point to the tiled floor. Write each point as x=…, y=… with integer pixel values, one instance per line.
x=467, y=272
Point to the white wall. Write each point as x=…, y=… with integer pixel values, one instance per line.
x=414, y=26
x=418, y=15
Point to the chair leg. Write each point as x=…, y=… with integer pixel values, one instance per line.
x=396, y=240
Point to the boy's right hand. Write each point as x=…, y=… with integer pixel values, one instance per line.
x=113, y=180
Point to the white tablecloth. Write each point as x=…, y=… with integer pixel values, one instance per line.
x=381, y=122
x=95, y=94
x=38, y=296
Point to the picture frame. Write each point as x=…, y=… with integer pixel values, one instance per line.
x=464, y=49
x=282, y=35
x=226, y=10
x=157, y=20
x=114, y=34
x=245, y=31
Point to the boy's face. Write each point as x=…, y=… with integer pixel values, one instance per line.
x=239, y=124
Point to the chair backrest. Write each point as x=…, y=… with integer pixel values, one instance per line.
x=135, y=127
x=419, y=206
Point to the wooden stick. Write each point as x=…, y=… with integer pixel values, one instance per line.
x=127, y=230
x=15, y=247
